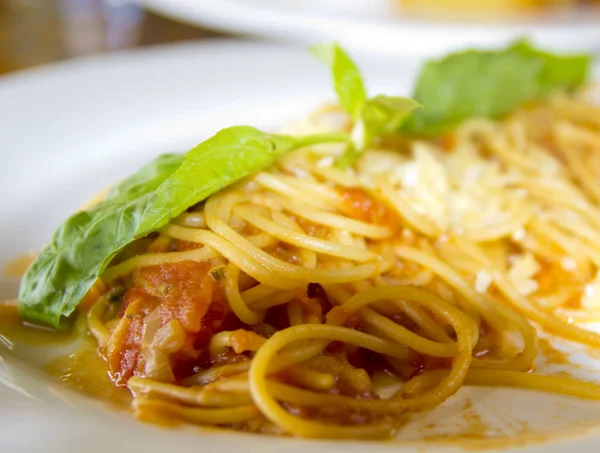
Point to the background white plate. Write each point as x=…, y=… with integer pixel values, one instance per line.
x=378, y=26
x=70, y=130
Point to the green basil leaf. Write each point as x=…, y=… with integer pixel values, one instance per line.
x=147, y=178
x=559, y=72
x=489, y=84
x=223, y=159
x=348, y=157
x=385, y=114
x=347, y=80
x=380, y=115
x=375, y=116
x=85, y=244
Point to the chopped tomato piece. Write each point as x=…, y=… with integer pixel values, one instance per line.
x=359, y=204
x=184, y=288
x=180, y=291
x=123, y=349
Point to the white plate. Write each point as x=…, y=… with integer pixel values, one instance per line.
x=378, y=26
x=70, y=130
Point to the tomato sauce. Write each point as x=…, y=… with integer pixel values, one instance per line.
x=360, y=205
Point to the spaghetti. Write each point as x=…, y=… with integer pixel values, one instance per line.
x=270, y=307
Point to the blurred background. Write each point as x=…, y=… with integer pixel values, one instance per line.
x=34, y=32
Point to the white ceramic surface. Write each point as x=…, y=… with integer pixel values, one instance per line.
x=68, y=131
x=378, y=26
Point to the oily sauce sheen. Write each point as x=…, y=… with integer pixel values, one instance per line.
x=83, y=371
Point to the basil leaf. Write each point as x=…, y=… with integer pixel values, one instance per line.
x=379, y=115
x=147, y=178
x=348, y=157
x=385, y=114
x=85, y=244
x=472, y=84
x=375, y=116
x=347, y=80
x=559, y=72
x=223, y=159
x=489, y=84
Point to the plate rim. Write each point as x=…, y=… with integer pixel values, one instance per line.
x=427, y=37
